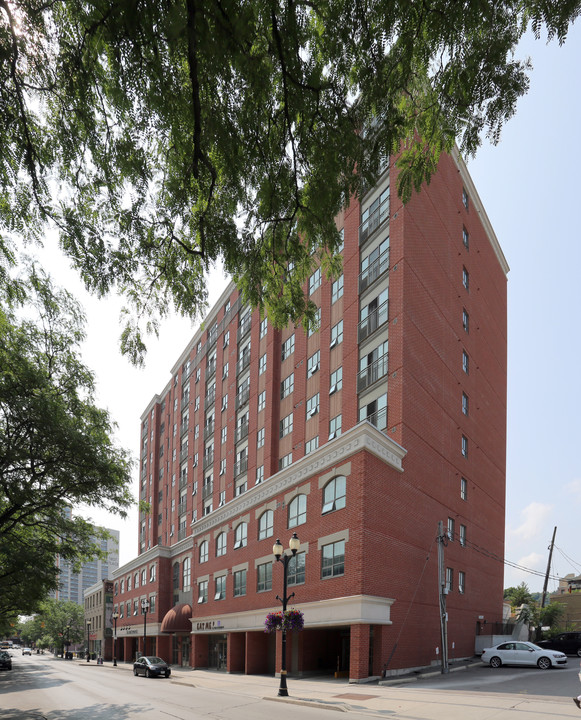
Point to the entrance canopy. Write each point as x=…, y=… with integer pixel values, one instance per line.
x=177, y=620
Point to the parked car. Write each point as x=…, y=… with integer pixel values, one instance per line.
x=151, y=666
x=26, y=651
x=5, y=661
x=568, y=643
x=522, y=653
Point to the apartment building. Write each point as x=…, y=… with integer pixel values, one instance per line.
x=359, y=437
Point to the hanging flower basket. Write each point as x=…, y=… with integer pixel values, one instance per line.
x=289, y=620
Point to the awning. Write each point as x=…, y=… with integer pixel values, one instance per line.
x=177, y=620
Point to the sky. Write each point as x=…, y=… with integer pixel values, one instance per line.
x=529, y=186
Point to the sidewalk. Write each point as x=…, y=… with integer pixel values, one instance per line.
x=397, y=698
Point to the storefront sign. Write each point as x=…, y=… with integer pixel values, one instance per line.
x=208, y=625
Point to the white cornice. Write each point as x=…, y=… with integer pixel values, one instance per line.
x=154, y=553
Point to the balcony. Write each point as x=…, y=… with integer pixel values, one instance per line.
x=183, y=480
x=208, y=459
x=183, y=453
x=372, y=373
x=210, y=396
x=207, y=490
x=209, y=429
x=241, y=432
x=379, y=419
x=244, y=328
x=212, y=337
x=243, y=363
x=374, y=271
x=242, y=397
x=184, y=428
x=210, y=370
x=182, y=533
x=241, y=467
x=374, y=320
x=376, y=216
x=185, y=401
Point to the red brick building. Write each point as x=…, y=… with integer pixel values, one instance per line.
x=360, y=438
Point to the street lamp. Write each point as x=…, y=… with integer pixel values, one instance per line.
x=88, y=653
x=144, y=609
x=115, y=618
x=277, y=549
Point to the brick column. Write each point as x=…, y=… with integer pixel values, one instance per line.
x=199, y=651
x=236, y=652
x=359, y=653
x=256, y=653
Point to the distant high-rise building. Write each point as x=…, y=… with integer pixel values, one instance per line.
x=378, y=439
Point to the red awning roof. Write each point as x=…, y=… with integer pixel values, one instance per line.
x=177, y=620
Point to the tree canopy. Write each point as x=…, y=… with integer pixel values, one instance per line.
x=56, y=446
x=57, y=624
x=161, y=135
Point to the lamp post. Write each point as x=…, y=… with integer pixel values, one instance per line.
x=144, y=609
x=115, y=618
x=278, y=550
x=88, y=629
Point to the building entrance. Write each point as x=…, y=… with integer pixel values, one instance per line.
x=217, y=652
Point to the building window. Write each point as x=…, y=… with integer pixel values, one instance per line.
x=296, y=569
x=288, y=347
x=203, y=591
x=128, y=583
x=241, y=535
x=337, y=334
x=223, y=466
x=259, y=474
x=240, y=487
x=186, y=572
x=336, y=381
x=337, y=289
x=465, y=321
x=220, y=588
x=239, y=583
x=465, y=200
x=461, y=582
x=143, y=576
x=285, y=461
x=463, y=488
x=286, y=425
x=465, y=362
x=462, y=535
x=287, y=386
x=265, y=525
x=311, y=445
x=221, y=544
x=450, y=531
x=263, y=328
x=335, y=427
x=225, y=370
x=222, y=498
x=334, y=494
x=226, y=339
x=315, y=281
x=264, y=577
x=464, y=446
x=135, y=607
x=464, y=403
x=314, y=326
x=152, y=573
x=260, y=438
x=449, y=579
x=224, y=434
x=465, y=278
x=313, y=363
x=297, y=511
x=313, y=405
x=465, y=238
x=262, y=364
x=198, y=374
x=341, y=244
x=333, y=559
x=262, y=400
x=204, y=551
x=122, y=587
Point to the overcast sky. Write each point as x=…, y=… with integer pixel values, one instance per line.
x=530, y=189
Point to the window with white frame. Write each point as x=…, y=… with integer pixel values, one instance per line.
x=337, y=289
x=315, y=281
x=259, y=474
x=465, y=278
x=226, y=339
x=450, y=532
x=262, y=400
x=341, y=245
x=465, y=238
x=186, y=573
x=311, y=445
x=203, y=591
x=285, y=461
x=239, y=583
x=222, y=498
x=464, y=404
x=465, y=362
x=465, y=200
x=297, y=511
x=265, y=525
x=450, y=579
x=144, y=576
x=335, y=426
x=316, y=323
x=204, y=551
x=197, y=403
x=462, y=535
x=198, y=374
x=225, y=371
x=221, y=544
x=334, y=494
x=220, y=588
x=152, y=573
x=464, y=446
x=333, y=559
x=313, y=363
x=287, y=386
x=286, y=425
x=336, y=380
x=288, y=347
x=296, y=569
x=461, y=582
x=240, y=535
x=262, y=364
x=264, y=577
x=260, y=438
x=224, y=434
x=263, y=328
x=465, y=321
x=463, y=488
x=313, y=405
x=223, y=466
x=337, y=334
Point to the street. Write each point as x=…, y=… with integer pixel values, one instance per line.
x=43, y=687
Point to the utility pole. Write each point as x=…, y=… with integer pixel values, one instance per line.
x=442, y=592
x=544, y=595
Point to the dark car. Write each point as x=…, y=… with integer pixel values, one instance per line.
x=151, y=666
x=568, y=643
x=5, y=661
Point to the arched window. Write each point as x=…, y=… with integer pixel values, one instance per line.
x=186, y=566
x=122, y=587
x=240, y=535
x=128, y=583
x=297, y=511
x=221, y=544
x=265, y=524
x=136, y=580
x=334, y=494
x=203, y=551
